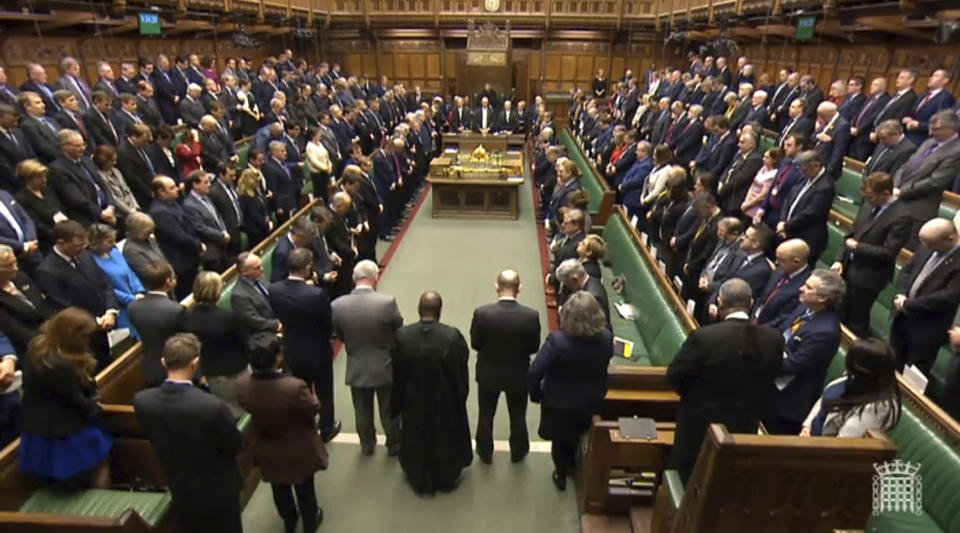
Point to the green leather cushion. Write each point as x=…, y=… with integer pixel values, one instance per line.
x=767, y=142
x=623, y=328
x=267, y=259
x=837, y=366
x=947, y=211
x=151, y=506
x=939, y=469
x=848, y=196
x=242, y=151
x=671, y=479
x=589, y=181
x=902, y=523
x=225, y=295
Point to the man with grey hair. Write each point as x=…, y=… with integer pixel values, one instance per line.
x=812, y=336
x=83, y=195
x=804, y=212
x=831, y=136
x=723, y=373
x=191, y=107
x=504, y=334
x=71, y=80
x=366, y=322
x=280, y=180
x=250, y=297
x=573, y=277
x=930, y=171
x=927, y=295
x=892, y=151
x=302, y=232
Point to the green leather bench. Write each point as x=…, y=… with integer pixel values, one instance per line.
x=767, y=142
x=100, y=503
x=657, y=332
x=848, y=197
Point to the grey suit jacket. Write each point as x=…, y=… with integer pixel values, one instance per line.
x=156, y=318
x=922, y=183
x=205, y=224
x=191, y=112
x=141, y=255
x=366, y=322
x=253, y=308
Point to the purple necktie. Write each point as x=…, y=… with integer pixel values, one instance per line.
x=915, y=162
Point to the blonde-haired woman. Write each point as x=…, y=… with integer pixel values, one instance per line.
x=62, y=442
x=318, y=165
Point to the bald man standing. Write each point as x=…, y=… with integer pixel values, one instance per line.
x=504, y=334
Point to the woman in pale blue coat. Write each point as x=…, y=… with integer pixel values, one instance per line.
x=126, y=284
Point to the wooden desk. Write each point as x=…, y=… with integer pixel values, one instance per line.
x=457, y=198
x=467, y=142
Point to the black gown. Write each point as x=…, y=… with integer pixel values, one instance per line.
x=430, y=385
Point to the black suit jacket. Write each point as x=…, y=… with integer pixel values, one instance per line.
x=723, y=373
x=772, y=307
x=505, y=124
x=802, y=125
x=11, y=154
x=42, y=139
x=808, y=221
x=223, y=336
x=253, y=307
x=879, y=240
x=176, y=237
x=157, y=318
x=700, y=250
x=49, y=101
x=101, y=130
x=719, y=159
x=76, y=189
x=504, y=334
x=889, y=159
x=930, y=312
x=568, y=250
x=74, y=121
x=897, y=107
x=85, y=286
x=737, y=181
x=135, y=172
x=687, y=142
x=228, y=213
x=56, y=403
x=18, y=320
x=197, y=441
x=306, y=316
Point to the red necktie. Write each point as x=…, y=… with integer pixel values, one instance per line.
x=776, y=288
x=863, y=113
x=925, y=100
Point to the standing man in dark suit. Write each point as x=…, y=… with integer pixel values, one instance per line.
x=135, y=163
x=203, y=217
x=689, y=138
x=196, y=438
x=82, y=193
x=804, y=213
x=779, y=297
x=723, y=374
x=812, y=336
x=505, y=335
x=723, y=150
x=566, y=246
x=927, y=295
x=930, y=171
x=14, y=148
x=936, y=99
x=507, y=119
x=738, y=177
x=168, y=98
x=779, y=107
x=573, y=277
x=892, y=151
x=156, y=317
x=341, y=244
x=147, y=105
x=302, y=234
x=724, y=258
x=796, y=121
x=811, y=93
x=99, y=120
x=901, y=102
x=176, y=237
x=223, y=194
x=870, y=250
x=854, y=101
x=280, y=181
x=702, y=244
x=750, y=265
x=862, y=124
x=70, y=276
x=71, y=116
x=38, y=85
x=367, y=321
x=39, y=129
x=250, y=297
x=831, y=138
x=305, y=313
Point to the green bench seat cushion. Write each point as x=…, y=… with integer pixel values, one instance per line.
x=940, y=471
x=848, y=197
x=589, y=181
x=623, y=328
x=151, y=506
x=902, y=523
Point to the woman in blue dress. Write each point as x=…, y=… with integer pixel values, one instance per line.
x=62, y=442
x=126, y=284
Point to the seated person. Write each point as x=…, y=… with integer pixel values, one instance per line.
x=865, y=397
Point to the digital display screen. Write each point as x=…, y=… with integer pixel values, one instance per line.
x=805, y=27
x=149, y=23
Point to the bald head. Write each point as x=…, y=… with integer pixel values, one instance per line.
x=792, y=255
x=430, y=306
x=508, y=283
x=939, y=234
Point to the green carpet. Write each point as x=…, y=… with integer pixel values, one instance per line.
x=460, y=259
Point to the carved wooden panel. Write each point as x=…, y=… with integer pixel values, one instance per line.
x=417, y=70
x=585, y=70
x=568, y=69
x=401, y=65
x=433, y=65
x=353, y=63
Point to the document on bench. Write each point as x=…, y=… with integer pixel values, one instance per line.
x=623, y=347
x=915, y=378
x=627, y=311
x=632, y=427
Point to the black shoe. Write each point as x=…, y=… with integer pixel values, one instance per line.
x=366, y=451
x=393, y=452
x=516, y=458
x=484, y=458
x=331, y=432
x=316, y=522
x=559, y=481
x=290, y=527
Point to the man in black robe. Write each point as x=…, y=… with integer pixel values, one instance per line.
x=430, y=385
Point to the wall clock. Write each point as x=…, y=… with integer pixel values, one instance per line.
x=491, y=5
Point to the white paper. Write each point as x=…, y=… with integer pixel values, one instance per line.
x=643, y=238
x=691, y=305
x=663, y=266
x=782, y=381
x=116, y=336
x=678, y=283
x=915, y=378
x=634, y=220
x=626, y=310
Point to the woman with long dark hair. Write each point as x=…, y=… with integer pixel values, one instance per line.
x=866, y=397
x=61, y=440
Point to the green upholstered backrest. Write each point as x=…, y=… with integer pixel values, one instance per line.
x=225, y=295
x=848, y=197
x=837, y=366
x=834, y=242
x=151, y=506
x=661, y=330
x=767, y=142
x=947, y=211
x=938, y=373
x=267, y=259
x=588, y=180
x=939, y=468
x=242, y=151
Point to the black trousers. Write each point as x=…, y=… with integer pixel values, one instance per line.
x=855, y=312
x=564, y=455
x=322, y=385
x=306, y=502
x=517, y=408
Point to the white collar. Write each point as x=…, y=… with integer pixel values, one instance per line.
x=740, y=315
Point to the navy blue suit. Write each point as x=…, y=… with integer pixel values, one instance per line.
x=756, y=272
x=808, y=220
x=924, y=111
x=786, y=178
x=809, y=352
x=687, y=142
x=570, y=372
x=756, y=114
x=632, y=184
x=851, y=106
x=773, y=307
x=306, y=316
x=179, y=243
x=833, y=152
x=721, y=156
x=802, y=125
x=8, y=235
x=278, y=260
